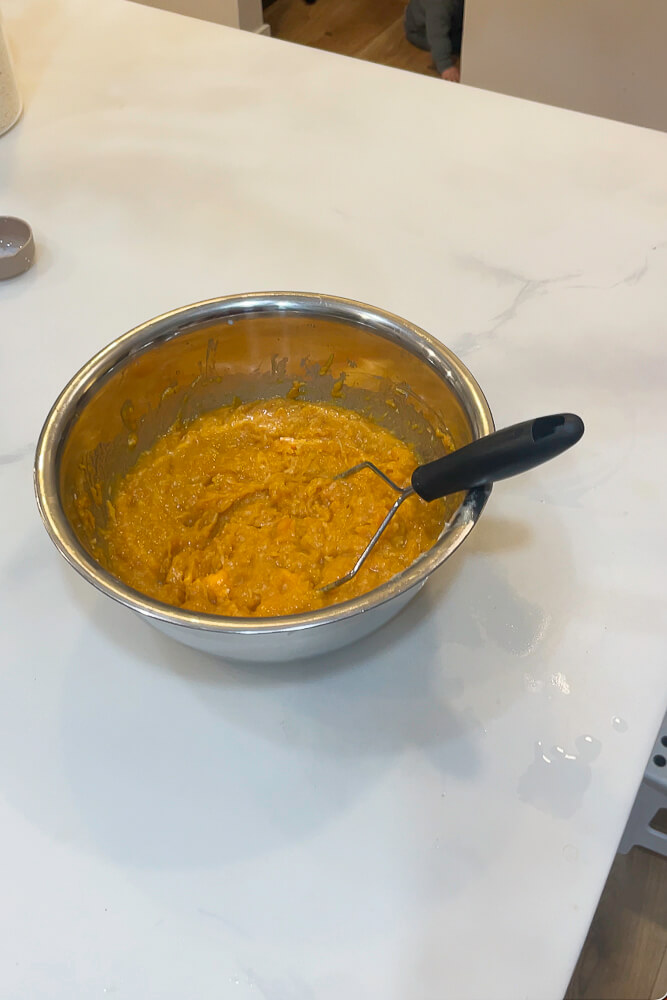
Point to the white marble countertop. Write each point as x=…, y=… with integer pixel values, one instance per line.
x=433, y=812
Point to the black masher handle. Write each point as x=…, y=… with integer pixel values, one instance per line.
x=500, y=455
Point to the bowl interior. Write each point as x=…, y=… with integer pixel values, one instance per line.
x=245, y=349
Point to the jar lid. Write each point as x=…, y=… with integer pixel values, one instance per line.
x=17, y=246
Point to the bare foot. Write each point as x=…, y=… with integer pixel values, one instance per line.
x=452, y=74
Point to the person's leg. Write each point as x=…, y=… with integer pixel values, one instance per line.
x=414, y=34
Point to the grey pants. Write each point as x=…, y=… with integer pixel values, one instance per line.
x=414, y=34
x=417, y=35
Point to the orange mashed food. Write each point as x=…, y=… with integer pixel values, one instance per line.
x=238, y=513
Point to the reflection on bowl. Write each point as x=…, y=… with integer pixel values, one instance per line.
x=244, y=348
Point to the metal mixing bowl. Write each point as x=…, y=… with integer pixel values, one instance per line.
x=253, y=347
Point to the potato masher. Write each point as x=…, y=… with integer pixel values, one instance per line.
x=496, y=456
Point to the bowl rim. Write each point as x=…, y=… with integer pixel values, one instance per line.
x=185, y=319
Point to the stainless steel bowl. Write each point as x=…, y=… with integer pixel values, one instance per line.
x=252, y=347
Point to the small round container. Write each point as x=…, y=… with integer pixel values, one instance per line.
x=17, y=247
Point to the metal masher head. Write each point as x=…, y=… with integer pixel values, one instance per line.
x=497, y=456
x=403, y=494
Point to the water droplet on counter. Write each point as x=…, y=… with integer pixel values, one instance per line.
x=570, y=852
x=532, y=684
x=588, y=747
x=619, y=724
x=520, y=632
x=560, y=682
x=556, y=780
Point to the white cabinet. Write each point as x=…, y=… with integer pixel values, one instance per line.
x=605, y=57
x=246, y=14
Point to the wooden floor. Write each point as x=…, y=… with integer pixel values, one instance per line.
x=367, y=29
x=625, y=955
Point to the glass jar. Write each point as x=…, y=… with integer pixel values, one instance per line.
x=10, y=102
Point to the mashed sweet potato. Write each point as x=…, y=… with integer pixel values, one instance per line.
x=238, y=513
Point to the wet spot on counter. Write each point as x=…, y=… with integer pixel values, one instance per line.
x=556, y=780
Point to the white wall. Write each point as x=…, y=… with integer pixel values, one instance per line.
x=605, y=57
x=246, y=14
